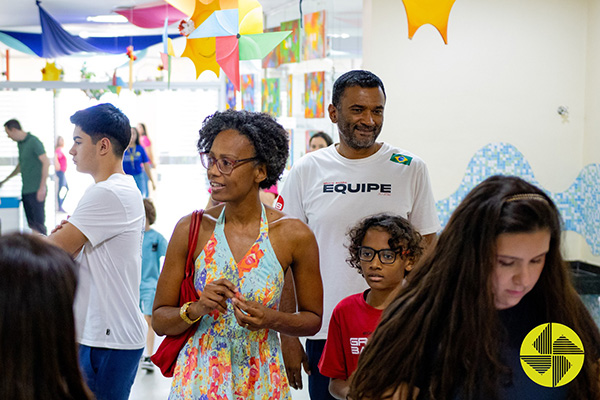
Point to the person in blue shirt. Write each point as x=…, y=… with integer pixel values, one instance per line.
x=137, y=164
x=154, y=247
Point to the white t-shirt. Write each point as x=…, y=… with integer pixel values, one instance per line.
x=332, y=193
x=111, y=215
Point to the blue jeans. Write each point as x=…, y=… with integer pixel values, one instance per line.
x=62, y=183
x=109, y=373
x=141, y=182
x=318, y=385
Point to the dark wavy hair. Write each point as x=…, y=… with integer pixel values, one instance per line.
x=402, y=235
x=37, y=331
x=105, y=120
x=145, y=131
x=137, y=136
x=451, y=292
x=358, y=77
x=269, y=138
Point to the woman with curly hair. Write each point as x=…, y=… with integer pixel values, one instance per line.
x=243, y=251
x=456, y=330
x=383, y=249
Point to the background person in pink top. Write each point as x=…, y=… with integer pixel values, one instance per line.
x=147, y=145
x=60, y=167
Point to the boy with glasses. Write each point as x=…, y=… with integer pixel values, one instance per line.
x=383, y=248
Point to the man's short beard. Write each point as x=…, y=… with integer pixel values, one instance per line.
x=352, y=142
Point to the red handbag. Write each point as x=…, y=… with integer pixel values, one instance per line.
x=166, y=354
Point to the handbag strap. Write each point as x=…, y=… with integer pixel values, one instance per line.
x=192, y=241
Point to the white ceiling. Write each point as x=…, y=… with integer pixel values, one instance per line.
x=22, y=15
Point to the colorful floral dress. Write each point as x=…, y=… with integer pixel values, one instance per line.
x=224, y=360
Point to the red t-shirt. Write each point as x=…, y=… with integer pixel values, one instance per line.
x=352, y=322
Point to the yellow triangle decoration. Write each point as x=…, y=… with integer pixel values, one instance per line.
x=434, y=12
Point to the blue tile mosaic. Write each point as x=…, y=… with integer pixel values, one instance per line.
x=579, y=205
x=592, y=302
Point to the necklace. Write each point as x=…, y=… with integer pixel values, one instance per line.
x=131, y=152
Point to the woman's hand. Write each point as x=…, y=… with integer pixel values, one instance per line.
x=214, y=297
x=250, y=314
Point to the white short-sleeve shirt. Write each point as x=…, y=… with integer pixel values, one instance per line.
x=111, y=215
x=332, y=193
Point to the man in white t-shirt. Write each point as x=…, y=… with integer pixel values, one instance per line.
x=333, y=188
x=105, y=234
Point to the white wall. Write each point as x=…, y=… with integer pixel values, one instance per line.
x=508, y=66
x=591, y=150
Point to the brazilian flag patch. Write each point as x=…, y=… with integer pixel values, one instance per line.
x=401, y=159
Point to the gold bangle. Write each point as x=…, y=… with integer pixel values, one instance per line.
x=184, y=315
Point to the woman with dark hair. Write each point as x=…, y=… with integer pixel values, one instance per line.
x=319, y=140
x=146, y=143
x=137, y=164
x=242, y=253
x=37, y=329
x=456, y=330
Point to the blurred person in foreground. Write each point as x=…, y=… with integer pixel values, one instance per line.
x=456, y=331
x=37, y=329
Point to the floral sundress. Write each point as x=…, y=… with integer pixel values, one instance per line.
x=224, y=360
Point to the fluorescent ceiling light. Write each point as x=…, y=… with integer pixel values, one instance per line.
x=112, y=18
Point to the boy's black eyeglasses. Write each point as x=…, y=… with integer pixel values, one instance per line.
x=224, y=165
x=386, y=256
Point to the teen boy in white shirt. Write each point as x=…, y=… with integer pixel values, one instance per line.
x=105, y=234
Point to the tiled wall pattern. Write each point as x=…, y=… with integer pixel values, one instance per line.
x=592, y=302
x=579, y=205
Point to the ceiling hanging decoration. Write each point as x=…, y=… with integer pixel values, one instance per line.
x=434, y=12
x=51, y=72
x=87, y=76
x=58, y=42
x=237, y=33
x=116, y=84
x=200, y=51
x=167, y=54
x=55, y=41
x=187, y=6
x=132, y=57
x=151, y=15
